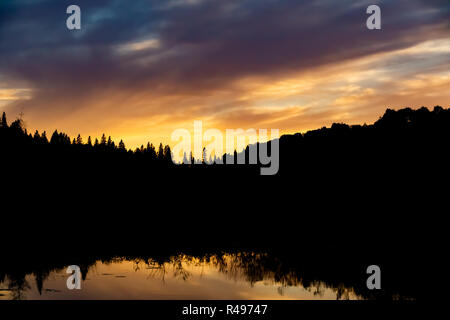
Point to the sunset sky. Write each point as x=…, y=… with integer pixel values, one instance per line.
x=139, y=69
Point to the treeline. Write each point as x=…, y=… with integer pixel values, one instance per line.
x=406, y=141
x=16, y=138
x=399, y=141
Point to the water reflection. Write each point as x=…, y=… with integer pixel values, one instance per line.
x=224, y=276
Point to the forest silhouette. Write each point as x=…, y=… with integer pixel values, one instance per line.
x=403, y=153
x=416, y=135
x=368, y=190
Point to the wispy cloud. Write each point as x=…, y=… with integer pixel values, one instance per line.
x=140, y=68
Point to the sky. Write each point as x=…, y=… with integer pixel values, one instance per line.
x=138, y=70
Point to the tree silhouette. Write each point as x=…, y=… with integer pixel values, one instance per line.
x=167, y=154
x=110, y=143
x=122, y=146
x=103, y=140
x=160, y=152
x=44, y=137
x=400, y=133
x=4, y=123
x=55, y=137
x=17, y=125
x=185, y=159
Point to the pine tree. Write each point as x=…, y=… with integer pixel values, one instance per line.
x=204, y=156
x=4, y=123
x=103, y=140
x=122, y=146
x=55, y=137
x=152, y=151
x=44, y=137
x=160, y=155
x=167, y=154
x=89, y=143
x=79, y=140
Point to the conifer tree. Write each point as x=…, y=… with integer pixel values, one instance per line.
x=122, y=146
x=152, y=151
x=160, y=155
x=204, y=156
x=55, y=137
x=44, y=137
x=103, y=140
x=4, y=123
x=167, y=154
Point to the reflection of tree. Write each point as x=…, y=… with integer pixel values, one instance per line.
x=179, y=271
x=240, y=266
x=40, y=277
x=249, y=267
x=18, y=285
x=261, y=267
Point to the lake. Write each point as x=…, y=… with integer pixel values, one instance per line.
x=219, y=276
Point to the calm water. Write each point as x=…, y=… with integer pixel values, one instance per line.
x=229, y=276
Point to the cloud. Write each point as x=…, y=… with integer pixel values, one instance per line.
x=154, y=65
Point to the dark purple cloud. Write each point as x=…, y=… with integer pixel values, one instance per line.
x=203, y=45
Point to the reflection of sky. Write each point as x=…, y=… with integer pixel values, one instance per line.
x=140, y=69
x=124, y=281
